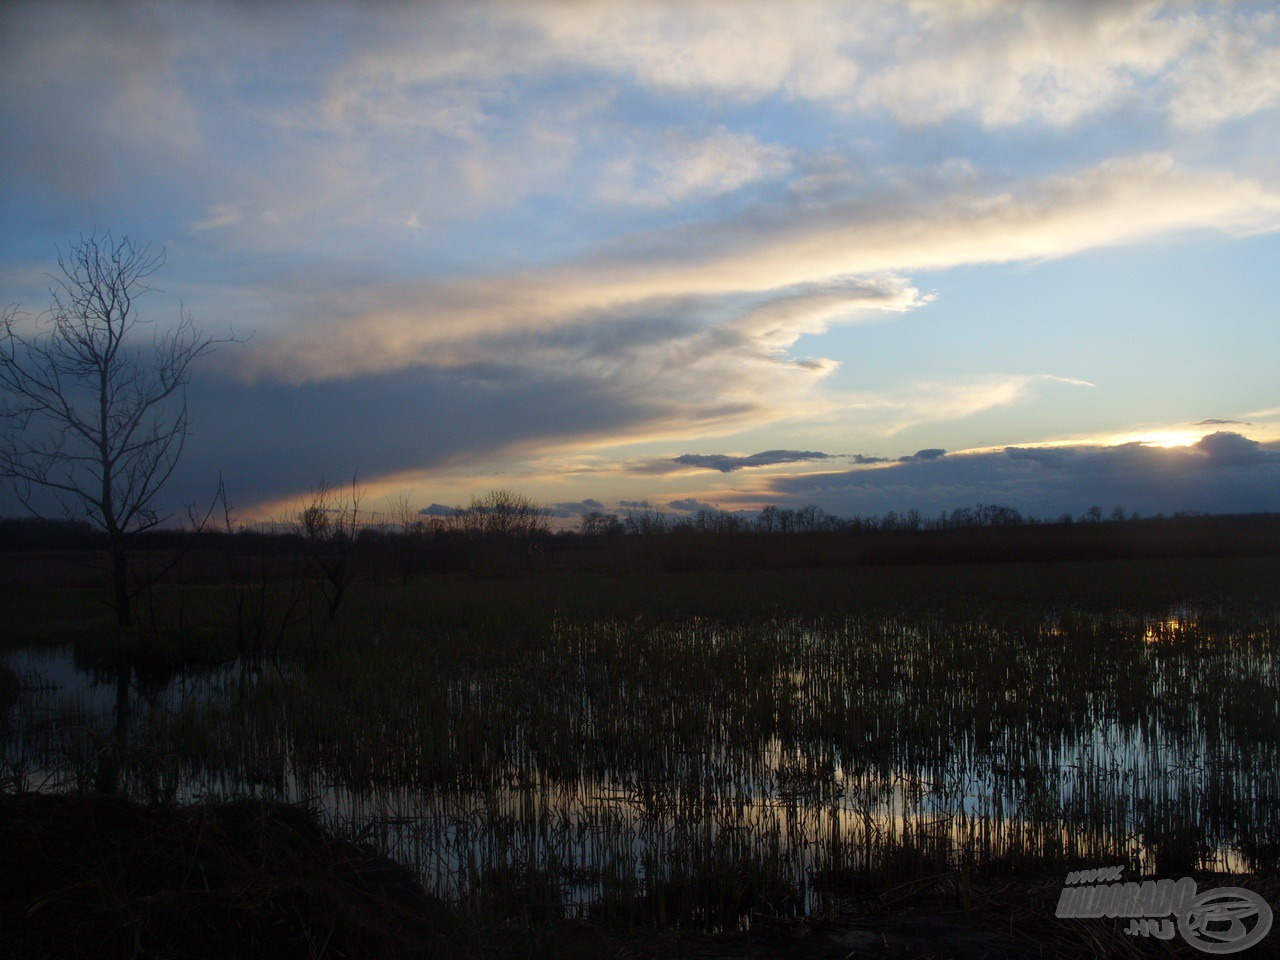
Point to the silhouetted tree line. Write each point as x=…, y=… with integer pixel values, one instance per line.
x=812, y=519
x=332, y=540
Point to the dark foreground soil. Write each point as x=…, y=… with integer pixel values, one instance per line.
x=98, y=877
x=945, y=918
x=93, y=876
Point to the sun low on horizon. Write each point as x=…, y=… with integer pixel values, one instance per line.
x=869, y=257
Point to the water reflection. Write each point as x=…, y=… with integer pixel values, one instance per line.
x=609, y=764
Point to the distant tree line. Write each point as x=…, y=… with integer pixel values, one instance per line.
x=265, y=582
x=812, y=519
x=331, y=515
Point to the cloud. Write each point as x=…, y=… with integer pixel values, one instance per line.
x=718, y=47
x=418, y=118
x=599, y=349
x=1038, y=61
x=1234, y=449
x=779, y=320
x=1214, y=423
x=269, y=439
x=922, y=61
x=932, y=453
x=726, y=463
x=818, y=263
x=219, y=215
x=665, y=367
x=438, y=510
x=373, y=120
x=1223, y=472
x=574, y=509
x=1234, y=74
x=602, y=311
x=722, y=463
x=923, y=402
x=651, y=467
x=403, y=201
x=93, y=90
x=683, y=168
x=690, y=505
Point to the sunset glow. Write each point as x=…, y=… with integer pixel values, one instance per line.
x=686, y=254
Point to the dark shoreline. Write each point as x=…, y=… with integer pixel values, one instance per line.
x=94, y=876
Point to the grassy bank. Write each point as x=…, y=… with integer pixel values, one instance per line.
x=194, y=616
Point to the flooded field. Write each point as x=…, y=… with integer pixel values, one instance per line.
x=693, y=770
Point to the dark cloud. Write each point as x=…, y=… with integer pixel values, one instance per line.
x=1222, y=423
x=574, y=509
x=1224, y=447
x=1222, y=473
x=933, y=453
x=690, y=505
x=726, y=463
x=269, y=440
x=652, y=468
x=584, y=380
x=635, y=504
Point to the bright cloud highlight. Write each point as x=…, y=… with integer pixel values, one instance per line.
x=471, y=238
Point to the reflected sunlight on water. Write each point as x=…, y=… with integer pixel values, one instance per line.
x=612, y=763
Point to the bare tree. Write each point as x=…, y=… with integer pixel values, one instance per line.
x=92, y=411
x=264, y=586
x=409, y=537
x=599, y=524
x=502, y=513
x=329, y=524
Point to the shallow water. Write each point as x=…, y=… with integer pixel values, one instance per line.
x=673, y=766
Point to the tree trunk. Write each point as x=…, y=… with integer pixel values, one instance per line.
x=120, y=581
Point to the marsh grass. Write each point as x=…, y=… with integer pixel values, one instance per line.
x=52, y=616
x=704, y=750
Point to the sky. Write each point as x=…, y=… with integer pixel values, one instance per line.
x=869, y=256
